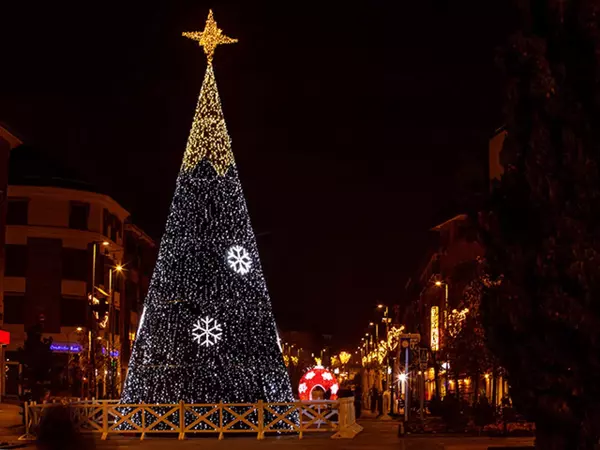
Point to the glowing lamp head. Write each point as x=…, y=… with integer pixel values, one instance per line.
x=380, y=306
x=438, y=283
x=105, y=243
x=402, y=377
x=371, y=324
x=119, y=268
x=79, y=329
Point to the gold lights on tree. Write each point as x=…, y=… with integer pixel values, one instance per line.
x=210, y=37
x=208, y=137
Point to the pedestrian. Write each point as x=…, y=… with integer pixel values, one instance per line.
x=357, y=401
x=57, y=432
x=374, y=396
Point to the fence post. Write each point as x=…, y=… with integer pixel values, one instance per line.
x=104, y=421
x=261, y=420
x=26, y=412
x=221, y=420
x=143, y=423
x=181, y=420
x=300, y=416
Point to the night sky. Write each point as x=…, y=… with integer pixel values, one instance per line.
x=355, y=128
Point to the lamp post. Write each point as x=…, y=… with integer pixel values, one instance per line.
x=111, y=325
x=90, y=319
x=440, y=283
x=389, y=370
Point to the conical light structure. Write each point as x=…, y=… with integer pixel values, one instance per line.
x=207, y=332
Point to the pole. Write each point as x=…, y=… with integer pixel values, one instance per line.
x=91, y=365
x=422, y=389
x=111, y=329
x=446, y=337
x=391, y=387
x=406, y=391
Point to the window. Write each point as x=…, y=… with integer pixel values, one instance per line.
x=72, y=311
x=15, y=260
x=14, y=308
x=17, y=211
x=78, y=216
x=74, y=264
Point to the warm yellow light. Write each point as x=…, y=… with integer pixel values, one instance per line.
x=106, y=243
x=367, y=334
x=79, y=329
x=99, y=338
x=438, y=283
x=435, y=329
x=402, y=377
x=208, y=137
x=210, y=37
x=318, y=361
x=345, y=357
x=371, y=324
x=487, y=376
x=119, y=268
x=380, y=306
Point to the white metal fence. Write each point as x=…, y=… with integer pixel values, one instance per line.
x=108, y=417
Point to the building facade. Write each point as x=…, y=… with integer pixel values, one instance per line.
x=71, y=257
x=437, y=292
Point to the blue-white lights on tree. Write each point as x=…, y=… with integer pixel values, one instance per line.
x=208, y=333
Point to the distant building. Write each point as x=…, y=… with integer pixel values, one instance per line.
x=54, y=224
x=8, y=141
x=437, y=287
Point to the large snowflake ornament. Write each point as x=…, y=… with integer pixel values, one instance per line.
x=207, y=332
x=302, y=388
x=239, y=260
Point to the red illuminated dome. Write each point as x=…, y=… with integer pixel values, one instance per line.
x=317, y=377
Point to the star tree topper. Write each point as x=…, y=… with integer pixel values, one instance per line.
x=210, y=37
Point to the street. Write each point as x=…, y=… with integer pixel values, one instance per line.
x=377, y=435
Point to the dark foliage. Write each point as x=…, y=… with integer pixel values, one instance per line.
x=36, y=358
x=541, y=230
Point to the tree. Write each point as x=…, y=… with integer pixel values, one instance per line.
x=467, y=348
x=36, y=358
x=541, y=229
x=207, y=331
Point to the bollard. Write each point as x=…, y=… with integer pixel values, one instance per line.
x=401, y=429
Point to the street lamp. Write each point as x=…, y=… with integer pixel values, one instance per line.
x=440, y=283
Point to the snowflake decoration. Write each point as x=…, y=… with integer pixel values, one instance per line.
x=239, y=260
x=209, y=332
x=334, y=389
x=310, y=375
x=302, y=387
x=327, y=376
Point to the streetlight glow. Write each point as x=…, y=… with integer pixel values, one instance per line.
x=119, y=268
x=105, y=243
x=438, y=283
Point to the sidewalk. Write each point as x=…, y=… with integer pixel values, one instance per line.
x=11, y=424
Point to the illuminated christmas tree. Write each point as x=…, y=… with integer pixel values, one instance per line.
x=207, y=331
